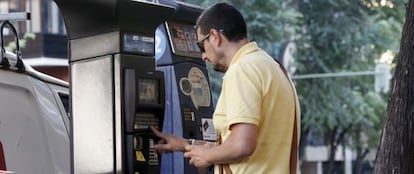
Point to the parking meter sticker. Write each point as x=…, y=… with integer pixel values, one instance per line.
x=139, y=156
x=209, y=132
x=200, y=93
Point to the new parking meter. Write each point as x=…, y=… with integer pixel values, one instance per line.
x=116, y=92
x=189, y=107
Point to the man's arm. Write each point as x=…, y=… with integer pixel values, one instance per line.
x=169, y=143
x=241, y=143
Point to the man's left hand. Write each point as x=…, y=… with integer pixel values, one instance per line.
x=198, y=155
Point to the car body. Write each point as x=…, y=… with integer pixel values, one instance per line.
x=34, y=122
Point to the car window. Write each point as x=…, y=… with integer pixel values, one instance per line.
x=64, y=98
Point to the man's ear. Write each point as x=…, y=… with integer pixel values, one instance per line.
x=218, y=39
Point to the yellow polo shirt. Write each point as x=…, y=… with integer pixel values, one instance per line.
x=256, y=91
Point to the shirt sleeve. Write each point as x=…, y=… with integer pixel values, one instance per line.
x=242, y=95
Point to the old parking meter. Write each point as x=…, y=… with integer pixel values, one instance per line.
x=116, y=92
x=189, y=107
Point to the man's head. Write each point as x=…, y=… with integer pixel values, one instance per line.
x=222, y=16
x=221, y=31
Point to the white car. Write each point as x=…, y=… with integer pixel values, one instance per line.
x=34, y=122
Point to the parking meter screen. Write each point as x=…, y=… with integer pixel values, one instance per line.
x=138, y=44
x=148, y=91
x=184, y=40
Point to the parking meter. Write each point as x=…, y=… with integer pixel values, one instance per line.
x=116, y=92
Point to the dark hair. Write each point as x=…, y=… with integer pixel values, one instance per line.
x=222, y=16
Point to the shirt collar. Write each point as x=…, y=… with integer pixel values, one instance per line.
x=244, y=50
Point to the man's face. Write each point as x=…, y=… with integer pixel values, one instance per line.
x=208, y=53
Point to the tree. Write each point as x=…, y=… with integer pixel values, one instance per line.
x=11, y=46
x=342, y=36
x=396, y=150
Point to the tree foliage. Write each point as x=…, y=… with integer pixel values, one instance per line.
x=344, y=36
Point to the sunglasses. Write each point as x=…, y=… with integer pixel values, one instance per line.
x=200, y=43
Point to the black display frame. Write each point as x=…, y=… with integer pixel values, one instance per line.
x=174, y=45
x=157, y=76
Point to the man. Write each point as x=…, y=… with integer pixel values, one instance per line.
x=257, y=113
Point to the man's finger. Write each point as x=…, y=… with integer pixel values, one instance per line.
x=157, y=132
x=162, y=141
x=187, y=154
x=191, y=162
x=188, y=148
x=163, y=147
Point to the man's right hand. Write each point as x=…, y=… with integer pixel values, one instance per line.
x=169, y=143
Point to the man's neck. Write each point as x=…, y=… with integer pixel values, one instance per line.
x=232, y=49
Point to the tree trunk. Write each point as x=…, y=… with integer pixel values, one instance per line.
x=331, y=164
x=359, y=161
x=332, y=151
x=361, y=152
x=395, y=154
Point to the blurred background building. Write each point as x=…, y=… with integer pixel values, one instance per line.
x=43, y=37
